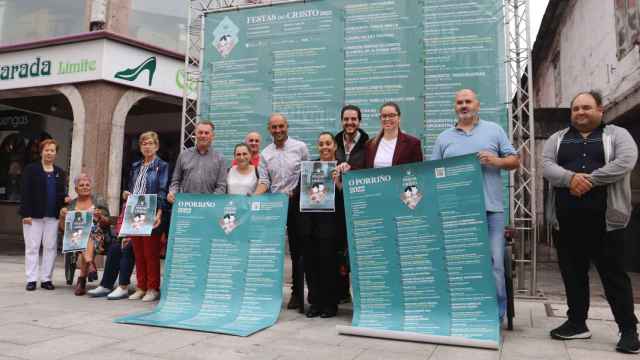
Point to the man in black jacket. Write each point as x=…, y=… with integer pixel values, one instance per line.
x=351, y=139
x=351, y=149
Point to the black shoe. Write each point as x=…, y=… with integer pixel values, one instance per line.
x=329, y=311
x=93, y=276
x=313, y=311
x=628, y=343
x=570, y=331
x=31, y=285
x=47, y=285
x=294, y=302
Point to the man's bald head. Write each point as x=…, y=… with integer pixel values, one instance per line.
x=253, y=139
x=467, y=105
x=467, y=92
x=278, y=117
x=279, y=128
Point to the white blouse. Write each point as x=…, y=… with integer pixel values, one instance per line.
x=384, y=155
x=238, y=184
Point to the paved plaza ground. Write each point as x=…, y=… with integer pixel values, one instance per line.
x=56, y=324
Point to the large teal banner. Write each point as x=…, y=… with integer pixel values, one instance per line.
x=307, y=59
x=224, y=265
x=419, y=251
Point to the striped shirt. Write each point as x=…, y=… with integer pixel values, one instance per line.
x=140, y=186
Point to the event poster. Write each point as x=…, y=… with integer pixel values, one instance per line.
x=224, y=265
x=307, y=59
x=77, y=228
x=317, y=188
x=419, y=250
x=139, y=215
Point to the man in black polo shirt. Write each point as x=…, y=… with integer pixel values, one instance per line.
x=588, y=166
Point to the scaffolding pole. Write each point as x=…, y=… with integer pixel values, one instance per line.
x=522, y=202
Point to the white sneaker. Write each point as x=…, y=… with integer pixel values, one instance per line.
x=139, y=294
x=99, y=292
x=151, y=295
x=118, y=293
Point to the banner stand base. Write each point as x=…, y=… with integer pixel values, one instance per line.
x=416, y=337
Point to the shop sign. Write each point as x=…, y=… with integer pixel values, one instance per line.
x=100, y=59
x=14, y=120
x=141, y=68
x=53, y=65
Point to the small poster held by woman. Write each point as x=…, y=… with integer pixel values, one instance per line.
x=317, y=188
x=77, y=229
x=139, y=215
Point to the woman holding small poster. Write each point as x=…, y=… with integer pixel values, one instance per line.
x=148, y=176
x=324, y=235
x=100, y=233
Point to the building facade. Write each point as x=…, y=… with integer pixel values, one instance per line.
x=93, y=75
x=584, y=45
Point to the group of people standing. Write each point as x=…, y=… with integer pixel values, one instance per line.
x=587, y=164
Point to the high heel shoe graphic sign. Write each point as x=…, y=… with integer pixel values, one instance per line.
x=132, y=74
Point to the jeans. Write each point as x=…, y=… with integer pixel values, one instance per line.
x=495, y=223
x=119, y=260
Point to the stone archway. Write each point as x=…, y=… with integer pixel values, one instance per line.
x=116, y=144
x=77, y=139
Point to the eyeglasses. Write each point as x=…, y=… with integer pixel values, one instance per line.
x=388, y=116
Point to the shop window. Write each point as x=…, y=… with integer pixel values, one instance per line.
x=17, y=145
x=20, y=137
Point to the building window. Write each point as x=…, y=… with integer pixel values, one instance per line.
x=31, y=20
x=160, y=22
x=627, y=13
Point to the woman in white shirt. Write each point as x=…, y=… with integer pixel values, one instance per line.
x=392, y=146
x=242, y=178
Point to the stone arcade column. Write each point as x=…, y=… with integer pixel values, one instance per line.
x=77, y=139
x=114, y=182
x=100, y=100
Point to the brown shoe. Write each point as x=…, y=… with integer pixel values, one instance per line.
x=81, y=286
x=294, y=302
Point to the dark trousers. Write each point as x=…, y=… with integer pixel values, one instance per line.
x=321, y=268
x=119, y=261
x=294, y=248
x=584, y=239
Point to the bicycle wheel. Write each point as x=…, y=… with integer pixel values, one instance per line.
x=69, y=267
x=508, y=258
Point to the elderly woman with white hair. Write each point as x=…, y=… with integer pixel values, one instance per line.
x=100, y=231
